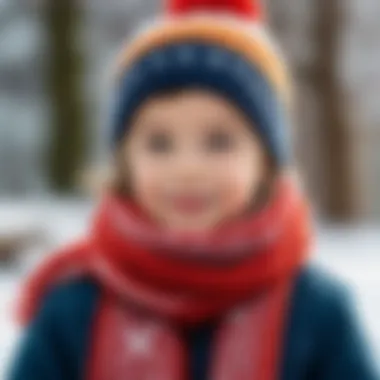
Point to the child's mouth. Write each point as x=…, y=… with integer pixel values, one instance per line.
x=190, y=204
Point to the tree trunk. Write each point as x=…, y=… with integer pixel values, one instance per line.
x=67, y=128
x=336, y=151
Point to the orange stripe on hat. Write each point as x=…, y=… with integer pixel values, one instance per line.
x=213, y=21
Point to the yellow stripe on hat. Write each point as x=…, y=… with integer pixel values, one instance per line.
x=239, y=39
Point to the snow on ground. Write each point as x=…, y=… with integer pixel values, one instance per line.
x=353, y=254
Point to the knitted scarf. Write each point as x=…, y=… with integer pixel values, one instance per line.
x=154, y=282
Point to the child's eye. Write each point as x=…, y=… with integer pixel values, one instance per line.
x=159, y=143
x=220, y=142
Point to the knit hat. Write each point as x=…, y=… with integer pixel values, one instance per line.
x=220, y=45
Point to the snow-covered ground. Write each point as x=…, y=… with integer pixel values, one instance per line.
x=352, y=253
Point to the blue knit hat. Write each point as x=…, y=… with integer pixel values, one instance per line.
x=209, y=51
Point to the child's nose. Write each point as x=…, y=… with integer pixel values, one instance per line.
x=189, y=164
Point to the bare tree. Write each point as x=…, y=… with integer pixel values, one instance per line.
x=336, y=151
x=68, y=142
x=310, y=33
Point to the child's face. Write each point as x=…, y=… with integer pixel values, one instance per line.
x=192, y=160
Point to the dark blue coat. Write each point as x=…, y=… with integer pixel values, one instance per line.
x=322, y=342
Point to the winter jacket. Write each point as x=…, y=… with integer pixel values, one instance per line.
x=323, y=340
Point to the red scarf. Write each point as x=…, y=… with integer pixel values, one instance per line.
x=155, y=281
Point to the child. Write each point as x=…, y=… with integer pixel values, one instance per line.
x=195, y=266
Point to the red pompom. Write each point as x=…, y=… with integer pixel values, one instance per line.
x=246, y=8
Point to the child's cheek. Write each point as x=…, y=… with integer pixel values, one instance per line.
x=146, y=179
x=239, y=180
x=236, y=195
